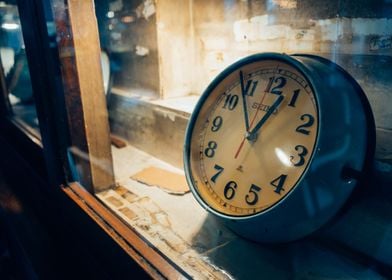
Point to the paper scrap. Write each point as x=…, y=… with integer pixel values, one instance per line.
x=168, y=181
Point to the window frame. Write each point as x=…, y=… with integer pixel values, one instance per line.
x=54, y=93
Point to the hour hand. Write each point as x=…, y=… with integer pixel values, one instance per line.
x=244, y=104
x=252, y=134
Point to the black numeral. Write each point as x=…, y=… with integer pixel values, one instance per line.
x=210, y=150
x=216, y=123
x=280, y=81
x=249, y=91
x=253, y=197
x=278, y=183
x=229, y=190
x=294, y=97
x=309, y=120
x=302, y=152
x=219, y=169
x=230, y=102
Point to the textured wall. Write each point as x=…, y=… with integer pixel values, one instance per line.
x=187, y=51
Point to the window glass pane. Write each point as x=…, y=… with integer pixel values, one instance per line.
x=16, y=70
x=162, y=56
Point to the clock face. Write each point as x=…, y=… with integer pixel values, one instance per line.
x=252, y=137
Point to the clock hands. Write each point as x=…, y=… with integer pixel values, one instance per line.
x=244, y=104
x=240, y=147
x=246, y=115
x=267, y=90
x=251, y=135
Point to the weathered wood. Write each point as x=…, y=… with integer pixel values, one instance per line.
x=149, y=259
x=79, y=51
x=117, y=141
x=175, y=47
x=144, y=124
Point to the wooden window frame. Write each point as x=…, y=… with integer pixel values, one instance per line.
x=68, y=93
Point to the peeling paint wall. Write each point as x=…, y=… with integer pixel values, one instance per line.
x=184, y=43
x=175, y=48
x=228, y=30
x=357, y=35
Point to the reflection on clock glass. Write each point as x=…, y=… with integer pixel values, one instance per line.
x=253, y=138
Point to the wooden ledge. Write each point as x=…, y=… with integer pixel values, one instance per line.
x=155, y=264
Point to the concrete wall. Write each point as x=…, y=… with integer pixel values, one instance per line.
x=191, y=41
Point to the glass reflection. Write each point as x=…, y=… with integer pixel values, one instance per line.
x=16, y=70
x=163, y=54
x=283, y=157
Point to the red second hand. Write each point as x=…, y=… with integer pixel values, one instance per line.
x=254, y=118
x=239, y=148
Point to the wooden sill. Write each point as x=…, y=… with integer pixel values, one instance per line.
x=156, y=265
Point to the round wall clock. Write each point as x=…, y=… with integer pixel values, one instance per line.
x=277, y=143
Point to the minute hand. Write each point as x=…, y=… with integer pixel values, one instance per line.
x=266, y=116
x=244, y=103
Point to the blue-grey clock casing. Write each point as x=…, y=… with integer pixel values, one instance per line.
x=344, y=146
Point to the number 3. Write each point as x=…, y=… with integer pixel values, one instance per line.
x=302, y=152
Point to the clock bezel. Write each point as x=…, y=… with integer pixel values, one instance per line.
x=306, y=75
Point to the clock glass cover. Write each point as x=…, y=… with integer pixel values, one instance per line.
x=252, y=138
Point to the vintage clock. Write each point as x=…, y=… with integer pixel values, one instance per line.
x=277, y=143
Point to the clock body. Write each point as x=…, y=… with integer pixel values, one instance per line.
x=276, y=144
